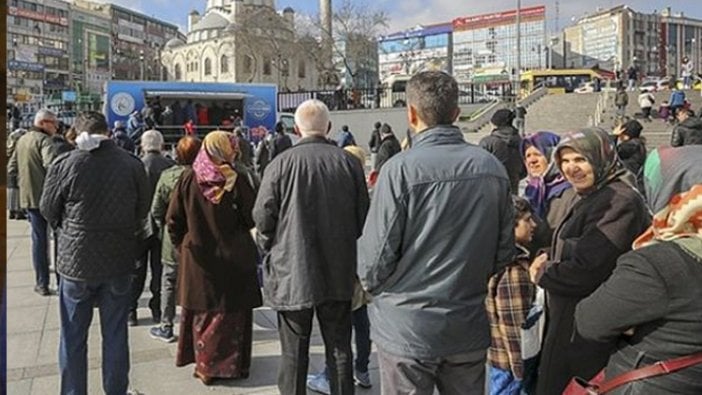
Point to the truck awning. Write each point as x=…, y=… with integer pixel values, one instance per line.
x=170, y=94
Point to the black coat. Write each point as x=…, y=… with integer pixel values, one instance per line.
x=594, y=233
x=504, y=144
x=633, y=154
x=309, y=212
x=388, y=148
x=689, y=132
x=655, y=290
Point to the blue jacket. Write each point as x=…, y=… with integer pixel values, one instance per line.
x=677, y=98
x=440, y=224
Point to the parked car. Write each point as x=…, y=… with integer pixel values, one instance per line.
x=589, y=87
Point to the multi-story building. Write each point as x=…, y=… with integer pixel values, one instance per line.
x=485, y=46
x=619, y=37
x=416, y=49
x=38, y=44
x=91, y=55
x=356, y=57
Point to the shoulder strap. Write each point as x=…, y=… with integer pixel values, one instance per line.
x=657, y=369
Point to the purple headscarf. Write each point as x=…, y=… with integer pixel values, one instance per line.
x=540, y=190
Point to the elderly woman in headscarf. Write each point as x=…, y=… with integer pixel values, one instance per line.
x=547, y=191
x=595, y=231
x=209, y=221
x=651, y=304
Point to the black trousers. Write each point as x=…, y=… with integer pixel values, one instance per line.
x=295, y=327
x=150, y=258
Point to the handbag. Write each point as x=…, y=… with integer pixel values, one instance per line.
x=597, y=386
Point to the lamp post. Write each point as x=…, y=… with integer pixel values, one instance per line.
x=141, y=62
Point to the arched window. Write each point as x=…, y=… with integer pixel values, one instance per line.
x=208, y=66
x=248, y=64
x=177, y=72
x=224, y=64
x=301, y=72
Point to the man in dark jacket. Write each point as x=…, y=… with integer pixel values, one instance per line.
x=688, y=131
x=98, y=196
x=154, y=163
x=631, y=148
x=245, y=151
x=375, y=140
x=29, y=163
x=280, y=142
x=345, y=137
x=503, y=143
x=440, y=224
x=389, y=146
x=309, y=212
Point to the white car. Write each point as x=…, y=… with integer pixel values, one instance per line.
x=589, y=87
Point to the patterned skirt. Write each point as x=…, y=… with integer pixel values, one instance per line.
x=218, y=343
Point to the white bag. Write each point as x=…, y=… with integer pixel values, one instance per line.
x=532, y=331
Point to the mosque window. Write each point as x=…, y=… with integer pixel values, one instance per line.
x=208, y=66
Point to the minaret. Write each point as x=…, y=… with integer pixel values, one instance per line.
x=325, y=17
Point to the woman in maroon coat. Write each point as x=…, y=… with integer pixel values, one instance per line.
x=209, y=219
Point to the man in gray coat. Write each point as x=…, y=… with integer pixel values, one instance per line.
x=440, y=224
x=309, y=212
x=97, y=196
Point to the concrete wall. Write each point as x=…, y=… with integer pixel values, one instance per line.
x=361, y=122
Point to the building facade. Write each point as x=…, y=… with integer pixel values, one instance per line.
x=241, y=41
x=680, y=37
x=38, y=47
x=91, y=54
x=485, y=46
x=416, y=49
x=356, y=58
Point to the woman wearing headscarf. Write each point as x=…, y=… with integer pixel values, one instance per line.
x=594, y=232
x=209, y=219
x=547, y=191
x=651, y=304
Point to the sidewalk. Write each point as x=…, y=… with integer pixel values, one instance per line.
x=33, y=333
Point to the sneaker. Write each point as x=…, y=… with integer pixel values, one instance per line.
x=362, y=379
x=163, y=333
x=42, y=290
x=132, y=320
x=319, y=383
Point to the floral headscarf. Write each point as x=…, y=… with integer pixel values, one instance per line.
x=212, y=166
x=673, y=182
x=540, y=190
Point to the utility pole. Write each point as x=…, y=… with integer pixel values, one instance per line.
x=519, y=49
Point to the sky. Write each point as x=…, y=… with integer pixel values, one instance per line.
x=404, y=14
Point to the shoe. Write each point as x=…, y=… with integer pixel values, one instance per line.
x=163, y=333
x=132, y=320
x=319, y=383
x=13, y=215
x=42, y=290
x=362, y=379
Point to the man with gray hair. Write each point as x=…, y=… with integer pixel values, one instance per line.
x=29, y=163
x=309, y=212
x=97, y=196
x=155, y=163
x=440, y=224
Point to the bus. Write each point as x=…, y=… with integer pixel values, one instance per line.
x=555, y=80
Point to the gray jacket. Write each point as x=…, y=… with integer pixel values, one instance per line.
x=98, y=199
x=440, y=224
x=309, y=212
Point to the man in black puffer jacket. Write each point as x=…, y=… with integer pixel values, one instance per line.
x=98, y=196
x=503, y=143
x=688, y=131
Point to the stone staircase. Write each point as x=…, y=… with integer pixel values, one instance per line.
x=560, y=113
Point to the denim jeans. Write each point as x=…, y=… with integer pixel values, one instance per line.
x=361, y=333
x=168, y=294
x=40, y=247
x=76, y=302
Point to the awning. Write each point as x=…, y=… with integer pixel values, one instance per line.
x=198, y=95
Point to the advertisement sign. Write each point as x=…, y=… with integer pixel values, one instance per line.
x=27, y=66
x=25, y=13
x=55, y=52
x=26, y=54
x=499, y=18
x=98, y=51
x=68, y=96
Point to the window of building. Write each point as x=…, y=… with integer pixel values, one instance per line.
x=248, y=64
x=301, y=72
x=178, y=72
x=224, y=64
x=208, y=66
x=267, y=70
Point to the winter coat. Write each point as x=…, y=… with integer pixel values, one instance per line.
x=440, y=224
x=12, y=139
x=61, y=145
x=98, y=199
x=159, y=206
x=646, y=99
x=688, y=132
x=217, y=253
x=155, y=163
x=309, y=212
x=633, y=154
x=621, y=98
x=30, y=161
x=374, y=143
x=598, y=229
x=389, y=147
x=280, y=143
x=677, y=99
x=656, y=291
x=504, y=143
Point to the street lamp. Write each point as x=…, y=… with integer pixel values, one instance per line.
x=141, y=62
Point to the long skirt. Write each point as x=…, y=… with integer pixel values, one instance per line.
x=219, y=343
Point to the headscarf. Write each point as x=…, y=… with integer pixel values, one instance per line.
x=212, y=166
x=599, y=150
x=540, y=190
x=673, y=183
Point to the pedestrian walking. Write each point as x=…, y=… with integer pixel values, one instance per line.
x=29, y=163
x=280, y=142
x=503, y=142
x=646, y=101
x=209, y=221
x=345, y=138
x=97, y=195
x=440, y=224
x=309, y=212
x=687, y=72
x=374, y=142
x=621, y=100
x=389, y=146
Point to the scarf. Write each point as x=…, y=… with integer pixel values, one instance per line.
x=673, y=182
x=89, y=142
x=212, y=167
x=540, y=190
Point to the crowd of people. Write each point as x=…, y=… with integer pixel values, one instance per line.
x=448, y=255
